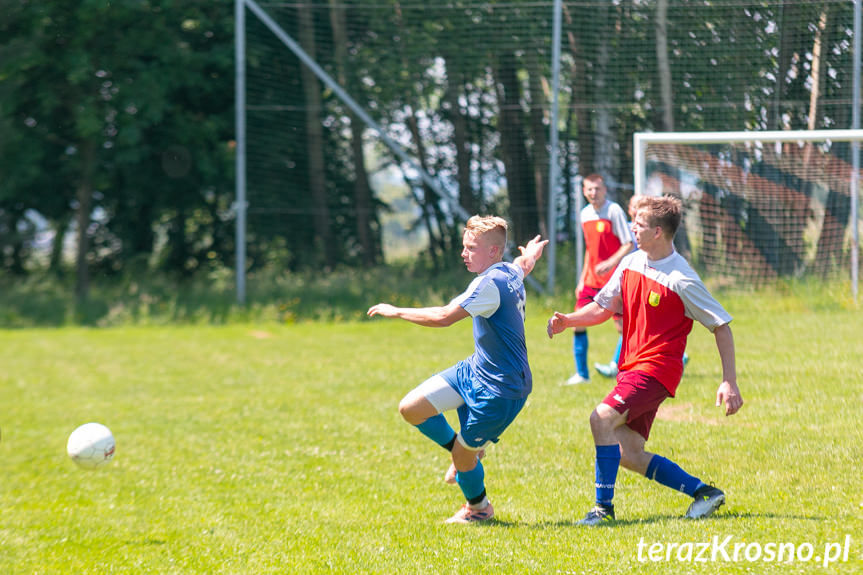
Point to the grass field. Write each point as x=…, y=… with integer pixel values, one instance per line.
x=278, y=449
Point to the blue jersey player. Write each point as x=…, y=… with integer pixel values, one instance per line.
x=490, y=387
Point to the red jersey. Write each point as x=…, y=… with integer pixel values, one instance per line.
x=604, y=232
x=659, y=301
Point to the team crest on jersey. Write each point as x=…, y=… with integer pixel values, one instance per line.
x=600, y=226
x=653, y=299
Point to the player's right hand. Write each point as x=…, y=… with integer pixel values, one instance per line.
x=382, y=309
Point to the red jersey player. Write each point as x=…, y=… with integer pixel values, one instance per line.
x=660, y=296
x=607, y=240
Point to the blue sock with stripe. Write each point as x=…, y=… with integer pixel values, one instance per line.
x=472, y=483
x=579, y=350
x=438, y=429
x=607, y=464
x=617, y=351
x=668, y=473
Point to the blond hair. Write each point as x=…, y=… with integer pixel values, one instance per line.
x=494, y=227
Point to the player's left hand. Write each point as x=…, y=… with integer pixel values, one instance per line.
x=730, y=396
x=556, y=324
x=533, y=248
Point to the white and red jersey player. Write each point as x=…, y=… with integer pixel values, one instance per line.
x=659, y=301
x=659, y=296
x=605, y=231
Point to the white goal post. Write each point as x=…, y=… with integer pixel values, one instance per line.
x=802, y=156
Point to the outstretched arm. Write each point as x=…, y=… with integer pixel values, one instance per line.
x=728, y=392
x=591, y=314
x=530, y=254
x=440, y=316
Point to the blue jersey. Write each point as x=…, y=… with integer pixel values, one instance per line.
x=495, y=300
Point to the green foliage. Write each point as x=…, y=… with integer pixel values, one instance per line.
x=122, y=113
x=342, y=295
x=271, y=448
x=146, y=299
x=122, y=110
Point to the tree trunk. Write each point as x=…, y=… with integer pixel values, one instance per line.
x=84, y=197
x=16, y=242
x=431, y=205
x=178, y=248
x=429, y=198
x=830, y=253
x=787, y=30
x=55, y=263
x=579, y=98
x=522, y=202
x=365, y=214
x=539, y=138
x=604, y=135
x=583, y=153
x=466, y=198
x=818, y=70
x=324, y=246
x=663, y=66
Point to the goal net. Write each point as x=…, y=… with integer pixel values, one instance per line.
x=758, y=206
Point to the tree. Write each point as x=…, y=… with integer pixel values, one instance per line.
x=510, y=125
x=112, y=119
x=324, y=246
x=366, y=220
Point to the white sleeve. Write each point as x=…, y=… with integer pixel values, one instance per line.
x=619, y=224
x=480, y=298
x=701, y=306
x=609, y=297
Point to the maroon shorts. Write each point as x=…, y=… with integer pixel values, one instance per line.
x=639, y=393
x=586, y=295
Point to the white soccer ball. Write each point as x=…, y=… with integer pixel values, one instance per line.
x=91, y=445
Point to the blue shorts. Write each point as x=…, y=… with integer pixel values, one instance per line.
x=483, y=417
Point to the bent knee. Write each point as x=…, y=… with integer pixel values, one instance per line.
x=407, y=409
x=416, y=408
x=604, y=418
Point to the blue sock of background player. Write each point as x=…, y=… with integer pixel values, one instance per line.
x=579, y=349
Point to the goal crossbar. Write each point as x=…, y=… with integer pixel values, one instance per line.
x=642, y=139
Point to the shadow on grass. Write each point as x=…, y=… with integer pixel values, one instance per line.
x=728, y=516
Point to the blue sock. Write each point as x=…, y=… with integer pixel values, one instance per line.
x=472, y=483
x=438, y=429
x=579, y=349
x=670, y=474
x=607, y=464
x=617, y=351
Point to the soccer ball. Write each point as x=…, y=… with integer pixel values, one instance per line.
x=91, y=445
